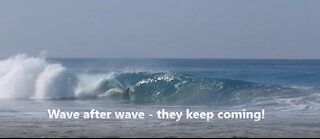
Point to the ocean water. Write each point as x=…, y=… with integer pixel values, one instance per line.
x=288, y=90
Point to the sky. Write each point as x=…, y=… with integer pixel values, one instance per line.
x=271, y=29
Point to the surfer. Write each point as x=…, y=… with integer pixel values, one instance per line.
x=126, y=95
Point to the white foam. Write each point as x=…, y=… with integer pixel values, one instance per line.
x=22, y=76
x=300, y=87
x=87, y=83
x=54, y=82
x=111, y=92
x=164, y=77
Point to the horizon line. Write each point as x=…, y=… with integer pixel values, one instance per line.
x=182, y=58
x=169, y=58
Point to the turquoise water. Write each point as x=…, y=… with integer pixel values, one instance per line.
x=287, y=89
x=214, y=82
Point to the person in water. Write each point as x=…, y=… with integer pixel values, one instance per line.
x=126, y=95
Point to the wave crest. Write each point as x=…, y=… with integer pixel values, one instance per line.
x=27, y=77
x=22, y=76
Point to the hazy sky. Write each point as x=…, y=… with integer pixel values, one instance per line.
x=161, y=28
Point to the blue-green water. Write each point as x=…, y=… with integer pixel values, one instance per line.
x=287, y=89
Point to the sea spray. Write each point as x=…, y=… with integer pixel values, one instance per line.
x=18, y=75
x=22, y=76
x=27, y=77
x=54, y=83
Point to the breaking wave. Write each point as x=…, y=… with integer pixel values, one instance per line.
x=28, y=77
x=35, y=78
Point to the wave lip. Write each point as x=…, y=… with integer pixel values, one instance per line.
x=27, y=77
x=181, y=89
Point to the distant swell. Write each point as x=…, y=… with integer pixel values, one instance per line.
x=35, y=78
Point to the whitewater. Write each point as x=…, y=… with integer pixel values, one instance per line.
x=27, y=77
x=287, y=89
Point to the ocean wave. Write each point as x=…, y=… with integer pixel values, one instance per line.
x=27, y=77
x=32, y=77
